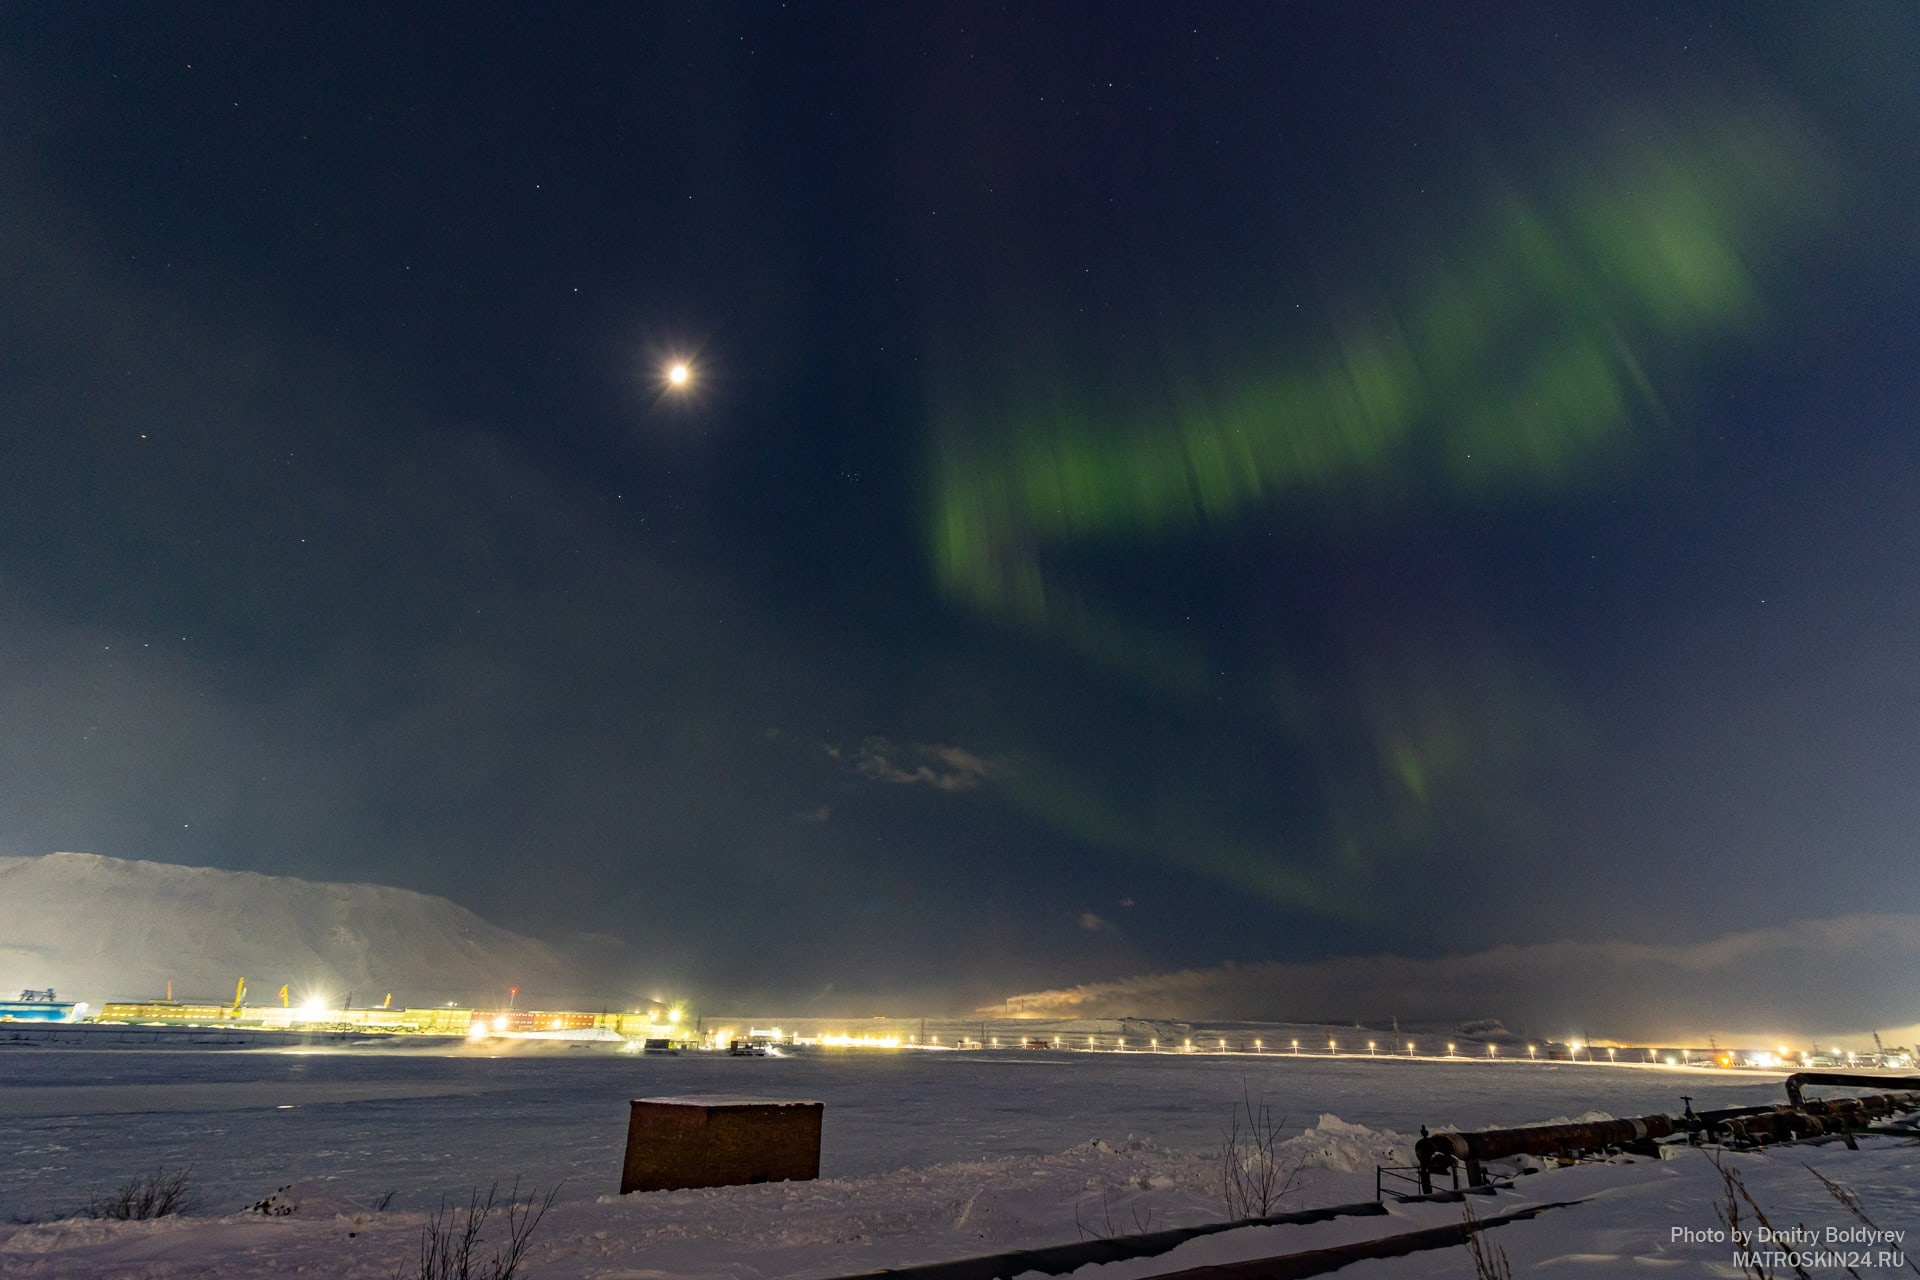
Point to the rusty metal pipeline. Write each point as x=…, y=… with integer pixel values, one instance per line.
x=1437, y=1152
x=1797, y=1082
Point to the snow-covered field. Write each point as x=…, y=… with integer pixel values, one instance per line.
x=926, y=1156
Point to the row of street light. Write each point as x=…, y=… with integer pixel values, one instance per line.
x=1406, y=1048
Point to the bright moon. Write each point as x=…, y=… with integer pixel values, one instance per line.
x=678, y=375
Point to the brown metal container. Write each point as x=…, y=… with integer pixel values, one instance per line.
x=720, y=1141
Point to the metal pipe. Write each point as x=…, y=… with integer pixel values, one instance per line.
x=1801, y=1118
x=1856, y=1079
x=1437, y=1152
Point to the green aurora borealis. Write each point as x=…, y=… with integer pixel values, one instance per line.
x=1519, y=360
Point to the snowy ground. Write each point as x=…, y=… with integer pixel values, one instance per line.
x=926, y=1156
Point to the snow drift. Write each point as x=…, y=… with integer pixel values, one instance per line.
x=98, y=928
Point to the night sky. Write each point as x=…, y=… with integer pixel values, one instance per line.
x=1158, y=484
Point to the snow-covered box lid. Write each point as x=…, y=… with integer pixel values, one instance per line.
x=728, y=1100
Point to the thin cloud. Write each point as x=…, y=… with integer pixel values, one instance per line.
x=944, y=768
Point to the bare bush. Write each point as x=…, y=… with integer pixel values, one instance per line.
x=1105, y=1229
x=1851, y=1203
x=1255, y=1174
x=1734, y=1189
x=450, y=1242
x=1489, y=1259
x=148, y=1195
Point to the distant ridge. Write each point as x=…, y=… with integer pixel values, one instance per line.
x=97, y=928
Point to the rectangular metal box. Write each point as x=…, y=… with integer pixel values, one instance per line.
x=720, y=1141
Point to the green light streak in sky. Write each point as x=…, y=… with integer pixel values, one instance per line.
x=1516, y=367
x=1512, y=358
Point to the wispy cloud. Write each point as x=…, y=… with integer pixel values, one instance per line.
x=944, y=768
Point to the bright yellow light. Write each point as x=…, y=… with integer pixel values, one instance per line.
x=843, y=1041
x=500, y=1023
x=313, y=1010
x=678, y=374
x=673, y=1015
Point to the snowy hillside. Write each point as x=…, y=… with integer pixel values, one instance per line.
x=99, y=929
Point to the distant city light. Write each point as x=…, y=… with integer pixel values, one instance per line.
x=841, y=1040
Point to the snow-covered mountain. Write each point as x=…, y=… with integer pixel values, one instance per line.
x=98, y=929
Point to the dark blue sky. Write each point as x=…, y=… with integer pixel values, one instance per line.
x=1161, y=484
